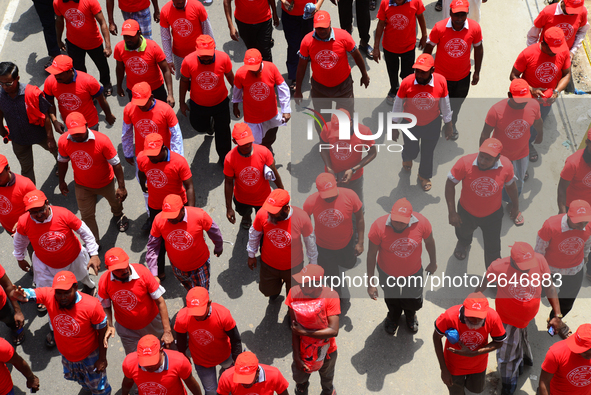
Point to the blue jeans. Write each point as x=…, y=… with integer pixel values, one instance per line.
x=519, y=168
x=209, y=378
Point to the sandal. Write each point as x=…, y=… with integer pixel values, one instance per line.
x=533, y=154
x=246, y=222
x=407, y=165
x=460, y=251
x=18, y=336
x=108, y=90
x=372, y=5
x=50, y=340
x=123, y=223
x=425, y=183
x=41, y=310
x=413, y=324
x=438, y=6
x=526, y=177
x=292, y=85
x=519, y=221
x=564, y=332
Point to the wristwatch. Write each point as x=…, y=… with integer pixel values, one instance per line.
x=556, y=91
x=353, y=170
x=559, y=316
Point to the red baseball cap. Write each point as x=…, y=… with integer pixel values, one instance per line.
x=554, y=37
x=581, y=340
x=59, y=64
x=401, y=211
x=245, y=368
x=197, y=300
x=130, y=27
x=579, y=211
x=76, y=123
x=116, y=259
x=491, y=146
x=424, y=62
x=519, y=89
x=34, y=199
x=253, y=59
x=326, y=185
x=140, y=93
x=242, y=134
x=153, y=144
x=64, y=280
x=205, y=45
x=459, y=6
x=523, y=255
x=574, y=6
x=475, y=305
x=321, y=19
x=171, y=206
x=3, y=162
x=276, y=200
x=312, y=272
x=148, y=350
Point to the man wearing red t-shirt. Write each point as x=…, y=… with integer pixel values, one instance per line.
x=136, y=297
x=424, y=95
x=248, y=168
x=283, y=226
x=75, y=91
x=95, y=164
x=254, y=87
x=333, y=209
x=520, y=279
x=454, y=38
x=203, y=71
x=137, y=10
x=575, y=177
x=13, y=188
x=248, y=376
x=142, y=60
x=396, y=245
x=179, y=230
x=214, y=338
x=314, y=311
x=397, y=21
x=9, y=355
x=483, y=176
x=466, y=328
x=157, y=371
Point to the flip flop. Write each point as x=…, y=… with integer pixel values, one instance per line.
x=438, y=6
x=372, y=5
x=425, y=183
x=519, y=221
x=123, y=223
x=108, y=90
x=526, y=177
x=50, y=340
x=413, y=324
x=460, y=251
x=18, y=336
x=407, y=165
x=533, y=154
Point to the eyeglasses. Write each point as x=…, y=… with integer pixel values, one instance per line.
x=8, y=84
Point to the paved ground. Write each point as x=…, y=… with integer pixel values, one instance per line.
x=369, y=360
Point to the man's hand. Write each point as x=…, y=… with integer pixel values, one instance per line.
x=33, y=383
x=395, y=134
x=120, y=91
x=298, y=329
x=252, y=263
x=431, y=267
x=286, y=117
x=108, y=334
x=297, y=96
x=359, y=248
x=298, y=360
x=455, y=220
x=121, y=194
x=107, y=52
x=464, y=351
x=24, y=265
x=552, y=98
x=372, y=292
x=170, y=100
x=448, y=129
x=376, y=55
x=236, y=110
x=364, y=81
x=131, y=161
x=113, y=28
x=157, y=16
x=59, y=127
x=100, y=365
x=64, y=188
x=62, y=46
x=446, y=377
x=423, y=42
x=51, y=144
x=167, y=339
x=172, y=69
x=94, y=263
x=234, y=33
x=184, y=109
x=231, y=215
x=19, y=319
x=539, y=138
x=537, y=92
x=556, y=323
x=110, y=118
x=218, y=253
x=475, y=78
x=19, y=294
x=144, y=187
x=514, y=211
x=275, y=20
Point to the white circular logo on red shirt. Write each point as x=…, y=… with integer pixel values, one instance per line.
x=279, y=238
x=202, y=337
x=5, y=205
x=152, y=388
x=472, y=339
x=180, y=239
x=398, y=21
x=567, y=29
x=125, y=299
x=516, y=129
x=137, y=65
x=326, y=59
x=157, y=178
x=69, y=101
x=456, y=47
x=259, y=91
x=207, y=80
x=571, y=245
x=331, y=217
x=484, y=186
x=66, y=325
x=580, y=377
x=403, y=247
x=81, y=159
x=249, y=175
x=522, y=294
x=146, y=126
x=75, y=17
x=423, y=101
x=587, y=180
x=52, y=241
x=182, y=27
x=342, y=150
x=546, y=72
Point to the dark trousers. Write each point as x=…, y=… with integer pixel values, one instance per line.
x=294, y=28
x=458, y=90
x=200, y=118
x=427, y=136
x=259, y=36
x=393, y=62
x=162, y=254
x=245, y=210
x=7, y=315
x=326, y=373
x=78, y=56
x=332, y=261
x=398, y=299
x=544, y=111
x=323, y=96
x=46, y=14
x=569, y=289
x=363, y=17
x=159, y=93
x=491, y=232
x=269, y=138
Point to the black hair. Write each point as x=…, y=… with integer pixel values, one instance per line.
x=9, y=68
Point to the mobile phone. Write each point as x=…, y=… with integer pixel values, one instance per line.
x=551, y=331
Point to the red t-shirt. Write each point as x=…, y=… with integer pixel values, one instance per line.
x=274, y=383
x=74, y=331
x=133, y=5
x=423, y=100
x=541, y=70
x=481, y=189
x=11, y=201
x=208, y=340
x=400, y=32
x=566, y=249
x=517, y=302
x=208, y=87
x=134, y=307
x=185, y=241
x=141, y=66
x=571, y=371
x=82, y=29
x=345, y=154
x=283, y=248
x=89, y=159
x=179, y=368
x=569, y=24
x=6, y=353
x=578, y=172
x=186, y=25
x=252, y=11
x=259, y=98
x=333, y=222
x=399, y=254
x=75, y=96
x=511, y=127
x=158, y=120
x=3, y=296
x=330, y=64
x=250, y=186
x=54, y=242
x=452, y=59
x=164, y=178
x=459, y=365
x=298, y=7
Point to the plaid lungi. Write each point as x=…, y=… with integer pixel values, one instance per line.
x=195, y=278
x=143, y=18
x=83, y=373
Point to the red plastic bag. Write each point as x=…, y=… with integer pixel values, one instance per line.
x=311, y=314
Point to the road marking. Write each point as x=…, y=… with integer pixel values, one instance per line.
x=7, y=21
